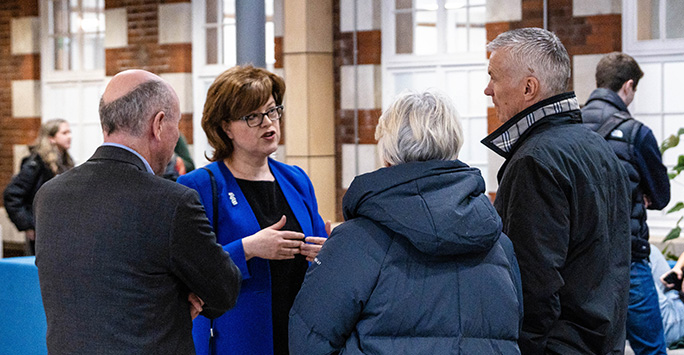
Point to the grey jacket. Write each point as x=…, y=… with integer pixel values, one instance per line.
x=118, y=251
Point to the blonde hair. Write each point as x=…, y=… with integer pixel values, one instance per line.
x=236, y=92
x=57, y=160
x=419, y=127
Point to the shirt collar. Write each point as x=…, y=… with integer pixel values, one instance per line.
x=502, y=140
x=147, y=165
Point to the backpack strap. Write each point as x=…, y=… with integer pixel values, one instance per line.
x=613, y=122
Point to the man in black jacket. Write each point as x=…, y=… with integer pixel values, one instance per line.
x=617, y=76
x=563, y=198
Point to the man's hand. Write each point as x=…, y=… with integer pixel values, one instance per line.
x=31, y=234
x=196, y=304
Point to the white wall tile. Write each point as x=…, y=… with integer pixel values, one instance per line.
x=504, y=10
x=175, y=23
x=367, y=161
x=25, y=35
x=25, y=98
x=278, y=20
x=596, y=7
x=9, y=231
x=182, y=83
x=584, y=75
x=116, y=28
x=368, y=91
x=367, y=15
x=19, y=152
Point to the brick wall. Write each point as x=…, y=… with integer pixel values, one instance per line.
x=369, y=50
x=14, y=130
x=144, y=50
x=581, y=35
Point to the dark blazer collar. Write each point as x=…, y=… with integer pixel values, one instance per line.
x=108, y=152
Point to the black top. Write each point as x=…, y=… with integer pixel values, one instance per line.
x=269, y=205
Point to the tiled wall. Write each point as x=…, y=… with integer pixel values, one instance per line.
x=148, y=35
x=587, y=28
x=356, y=89
x=19, y=91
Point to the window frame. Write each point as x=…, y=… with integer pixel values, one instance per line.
x=661, y=46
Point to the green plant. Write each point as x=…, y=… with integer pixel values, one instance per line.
x=671, y=142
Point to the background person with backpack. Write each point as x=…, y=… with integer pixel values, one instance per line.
x=617, y=76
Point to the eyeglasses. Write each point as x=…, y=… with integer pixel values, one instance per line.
x=256, y=119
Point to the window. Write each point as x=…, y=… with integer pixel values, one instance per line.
x=429, y=27
x=220, y=36
x=653, y=26
x=440, y=44
x=213, y=51
x=76, y=34
x=73, y=68
x=653, y=34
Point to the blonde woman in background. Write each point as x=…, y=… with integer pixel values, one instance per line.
x=49, y=157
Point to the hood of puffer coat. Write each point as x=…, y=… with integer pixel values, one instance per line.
x=439, y=206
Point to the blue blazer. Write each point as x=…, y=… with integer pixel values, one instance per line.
x=248, y=328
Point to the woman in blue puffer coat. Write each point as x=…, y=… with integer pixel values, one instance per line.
x=420, y=266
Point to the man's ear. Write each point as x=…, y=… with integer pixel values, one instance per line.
x=157, y=124
x=627, y=85
x=531, y=89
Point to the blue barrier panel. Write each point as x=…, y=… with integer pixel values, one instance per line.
x=22, y=317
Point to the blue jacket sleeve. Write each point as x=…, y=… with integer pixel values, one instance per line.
x=654, y=180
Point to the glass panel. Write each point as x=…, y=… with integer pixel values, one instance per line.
x=212, y=44
x=93, y=52
x=268, y=5
x=457, y=30
x=477, y=80
x=62, y=51
x=455, y=4
x=671, y=125
x=457, y=86
x=229, y=45
x=212, y=11
x=74, y=21
x=648, y=19
x=403, y=4
x=74, y=53
x=649, y=90
x=229, y=9
x=416, y=81
x=270, y=44
x=59, y=20
x=404, y=33
x=426, y=32
x=674, y=23
x=90, y=23
x=673, y=77
x=429, y=5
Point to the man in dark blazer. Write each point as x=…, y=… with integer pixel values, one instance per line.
x=126, y=259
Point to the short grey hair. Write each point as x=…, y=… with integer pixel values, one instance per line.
x=539, y=53
x=419, y=127
x=131, y=112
